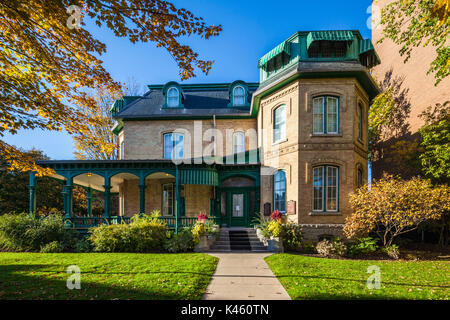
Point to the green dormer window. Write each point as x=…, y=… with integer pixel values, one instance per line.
x=238, y=92
x=173, y=98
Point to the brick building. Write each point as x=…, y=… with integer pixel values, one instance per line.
x=296, y=142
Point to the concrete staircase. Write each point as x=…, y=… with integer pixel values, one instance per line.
x=238, y=239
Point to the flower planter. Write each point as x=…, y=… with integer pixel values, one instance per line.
x=275, y=245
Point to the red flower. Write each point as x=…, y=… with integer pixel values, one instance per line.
x=276, y=215
x=202, y=216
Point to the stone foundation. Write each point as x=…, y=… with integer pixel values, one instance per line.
x=314, y=232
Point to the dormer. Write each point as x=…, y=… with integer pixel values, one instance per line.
x=173, y=95
x=238, y=93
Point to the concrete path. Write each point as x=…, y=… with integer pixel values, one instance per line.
x=244, y=276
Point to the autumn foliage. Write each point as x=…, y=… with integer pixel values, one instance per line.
x=46, y=67
x=393, y=206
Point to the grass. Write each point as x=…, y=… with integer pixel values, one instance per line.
x=105, y=275
x=319, y=278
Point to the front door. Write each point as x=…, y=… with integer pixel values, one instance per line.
x=238, y=208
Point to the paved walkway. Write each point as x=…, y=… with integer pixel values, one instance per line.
x=244, y=276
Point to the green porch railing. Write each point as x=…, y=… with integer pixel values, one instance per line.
x=89, y=222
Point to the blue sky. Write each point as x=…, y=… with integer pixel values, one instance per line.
x=250, y=29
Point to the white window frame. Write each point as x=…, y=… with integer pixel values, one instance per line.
x=171, y=96
x=238, y=142
x=174, y=145
x=281, y=131
x=235, y=96
x=324, y=115
x=325, y=188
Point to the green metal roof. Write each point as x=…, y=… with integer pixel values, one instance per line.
x=282, y=47
x=199, y=176
x=328, y=35
x=365, y=45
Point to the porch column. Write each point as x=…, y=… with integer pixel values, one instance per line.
x=67, y=194
x=89, y=201
x=142, y=195
x=177, y=201
x=107, y=187
x=32, y=188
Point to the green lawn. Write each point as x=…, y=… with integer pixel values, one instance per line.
x=105, y=275
x=319, y=278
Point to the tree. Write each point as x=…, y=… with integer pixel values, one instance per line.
x=436, y=142
x=412, y=23
x=97, y=141
x=393, y=206
x=14, y=191
x=48, y=59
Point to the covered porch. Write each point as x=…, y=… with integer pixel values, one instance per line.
x=179, y=191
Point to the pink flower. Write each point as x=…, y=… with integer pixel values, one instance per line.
x=202, y=217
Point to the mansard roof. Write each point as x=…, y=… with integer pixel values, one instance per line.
x=198, y=101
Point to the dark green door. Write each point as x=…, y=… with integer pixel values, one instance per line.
x=238, y=207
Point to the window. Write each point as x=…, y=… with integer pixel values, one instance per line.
x=325, y=115
x=360, y=122
x=360, y=178
x=173, y=97
x=279, y=191
x=167, y=199
x=327, y=49
x=279, y=124
x=173, y=146
x=325, y=188
x=122, y=150
x=238, y=96
x=238, y=142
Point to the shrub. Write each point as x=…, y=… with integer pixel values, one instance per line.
x=52, y=247
x=291, y=236
x=83, y=246
x=392, y=207
x=309, y=247
x=392, y=251
x=334, y=248
x=363, y=246
x=181, y=242
x=26, y=233
x=143, y=234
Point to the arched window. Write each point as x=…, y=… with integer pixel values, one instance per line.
x=360, y=178
x=279, y=191
x=173, y=146
x=279, y=124
x=325, y=188
x=360, y=121
x=238, y=142
x=173, y=97
x=122, y=150
x=325, y=115
x=238, y=96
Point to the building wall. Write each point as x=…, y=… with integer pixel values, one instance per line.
x=301, y=150
x=144, y=139
x=422, y=91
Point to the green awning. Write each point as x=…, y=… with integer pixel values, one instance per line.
x=365, y=45
x=328, y=35
x=199, y=176
x=282, y=47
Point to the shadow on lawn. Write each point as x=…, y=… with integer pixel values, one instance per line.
x=15, y=285
x=363, y=281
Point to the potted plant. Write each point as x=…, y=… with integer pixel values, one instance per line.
x=275, y=228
